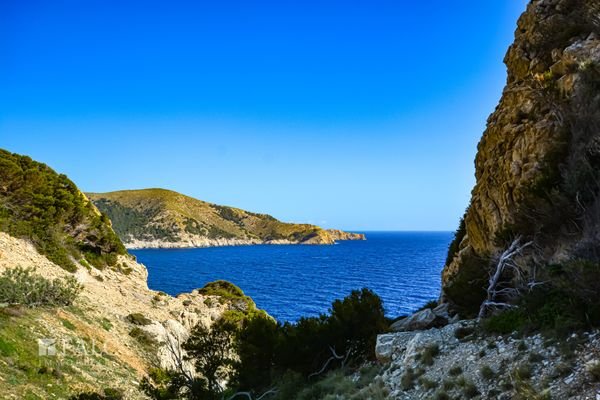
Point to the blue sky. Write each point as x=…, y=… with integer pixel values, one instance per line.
x=355, y=115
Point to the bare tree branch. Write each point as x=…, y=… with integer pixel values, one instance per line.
x=505, y=261
x=334, y=357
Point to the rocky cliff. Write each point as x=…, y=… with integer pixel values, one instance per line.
x=158, y=218
x=538, y=162
x=337, y=235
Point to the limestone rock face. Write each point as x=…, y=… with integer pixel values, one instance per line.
x=337, y=235
x=537, y=162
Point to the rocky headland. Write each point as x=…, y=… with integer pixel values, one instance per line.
x=158, y=218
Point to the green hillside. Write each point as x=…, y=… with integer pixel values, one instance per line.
x=170, y=217
x=45, y=207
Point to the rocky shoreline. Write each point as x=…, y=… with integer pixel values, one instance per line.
x=193, y=241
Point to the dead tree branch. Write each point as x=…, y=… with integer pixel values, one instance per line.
x=505, y=261
x=334, y=357
x=248, y=395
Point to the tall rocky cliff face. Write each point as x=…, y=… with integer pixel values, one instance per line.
x=538, y=162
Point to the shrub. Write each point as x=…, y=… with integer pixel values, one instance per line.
x=505, y=323
x=470, y=390
x=459, y=235
x=106, y=324
x=486, y=372
x=448, y=384
x=407, y=381
x=228, y=292
x=429, y=353
x=535, y=358
x=427, y=384
x=594, y=371
x=138, y=319
x=522, y=371
x=454, y=371
x=143, y=337
x=212, y=353
x=441, y=395
x=223, y=289
x=23, y=286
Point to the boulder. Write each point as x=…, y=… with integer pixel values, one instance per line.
x=417, y=321
x=420, y=320
x=442, y=311
x=384, y=347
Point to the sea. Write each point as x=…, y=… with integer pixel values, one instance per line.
x=294, y=281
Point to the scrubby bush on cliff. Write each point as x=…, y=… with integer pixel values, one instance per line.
x=47, y=208
x=211, y=350
x=569, y=302
x=454, y=246
x=23, y=286
x=284, y=356
x=312, y=346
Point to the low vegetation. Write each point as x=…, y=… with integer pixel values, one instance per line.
x=24, y=286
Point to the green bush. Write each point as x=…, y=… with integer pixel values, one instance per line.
x=224, y=289
x=594, y=371
x=23, y=286
x=470, y=390
x=486, y=372
x=142, y=337
x=212, y=352
x=555, y=310
x=459, y=235
x=429, y=354
x=138, y=319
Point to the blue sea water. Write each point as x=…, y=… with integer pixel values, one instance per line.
x=291, y=281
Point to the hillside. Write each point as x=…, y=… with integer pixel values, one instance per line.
x=115, y=330
x=47, y=208
x=163, y=218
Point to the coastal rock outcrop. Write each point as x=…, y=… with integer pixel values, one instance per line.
x=337, y=235
x=538, y=163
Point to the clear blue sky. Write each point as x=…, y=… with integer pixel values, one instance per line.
x=356, y=115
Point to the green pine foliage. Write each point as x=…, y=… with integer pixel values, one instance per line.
x=48, y=209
